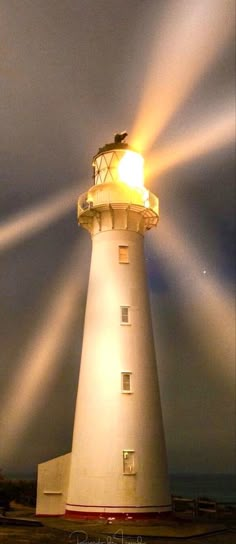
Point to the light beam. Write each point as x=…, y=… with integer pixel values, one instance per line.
x=210, y=135
x=208, y=306
x=192, y=36
x=29, y=222
x=39, y=364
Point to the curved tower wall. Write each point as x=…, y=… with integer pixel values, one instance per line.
x=118, y=460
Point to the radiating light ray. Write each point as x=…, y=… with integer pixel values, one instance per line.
x=208, y=306
x=27, y=223
x=38, y=365
x=192, y=36
x=212, y=134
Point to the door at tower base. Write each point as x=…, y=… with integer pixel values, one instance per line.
x=52, y=486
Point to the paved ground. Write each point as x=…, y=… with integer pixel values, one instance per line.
x=47, y=535
x=60, y=531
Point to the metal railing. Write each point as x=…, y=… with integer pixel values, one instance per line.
x=91, y=199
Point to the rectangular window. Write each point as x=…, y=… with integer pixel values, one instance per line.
x=123, y=254
x=126, y=382
x=124, y=315
x=129, y=462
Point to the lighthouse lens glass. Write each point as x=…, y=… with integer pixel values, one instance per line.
x=130, y=169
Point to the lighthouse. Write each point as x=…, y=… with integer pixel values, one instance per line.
x=118, y=464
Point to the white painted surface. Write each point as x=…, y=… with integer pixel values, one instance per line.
x=52, y=486
x=107, y=421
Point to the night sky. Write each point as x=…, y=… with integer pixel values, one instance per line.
x=72, y=73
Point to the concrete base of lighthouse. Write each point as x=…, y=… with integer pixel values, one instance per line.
x=52, y=490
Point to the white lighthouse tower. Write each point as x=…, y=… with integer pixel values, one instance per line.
x=118, y=461
x=117, y=466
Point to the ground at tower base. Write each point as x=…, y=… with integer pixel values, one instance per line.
x=201, y=530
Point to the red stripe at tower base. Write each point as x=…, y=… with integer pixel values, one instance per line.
x=73, y=514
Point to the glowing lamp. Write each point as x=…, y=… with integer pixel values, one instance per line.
x=117, y=162
x=130, y=169
x=118, y=174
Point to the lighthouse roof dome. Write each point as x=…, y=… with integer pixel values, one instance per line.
x=118, y=143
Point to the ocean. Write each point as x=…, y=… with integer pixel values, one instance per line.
x=219, y=487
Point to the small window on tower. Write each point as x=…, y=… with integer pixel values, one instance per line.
x=126, y=382
x=124, y=315
x=123, y=254
x=129, y=462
